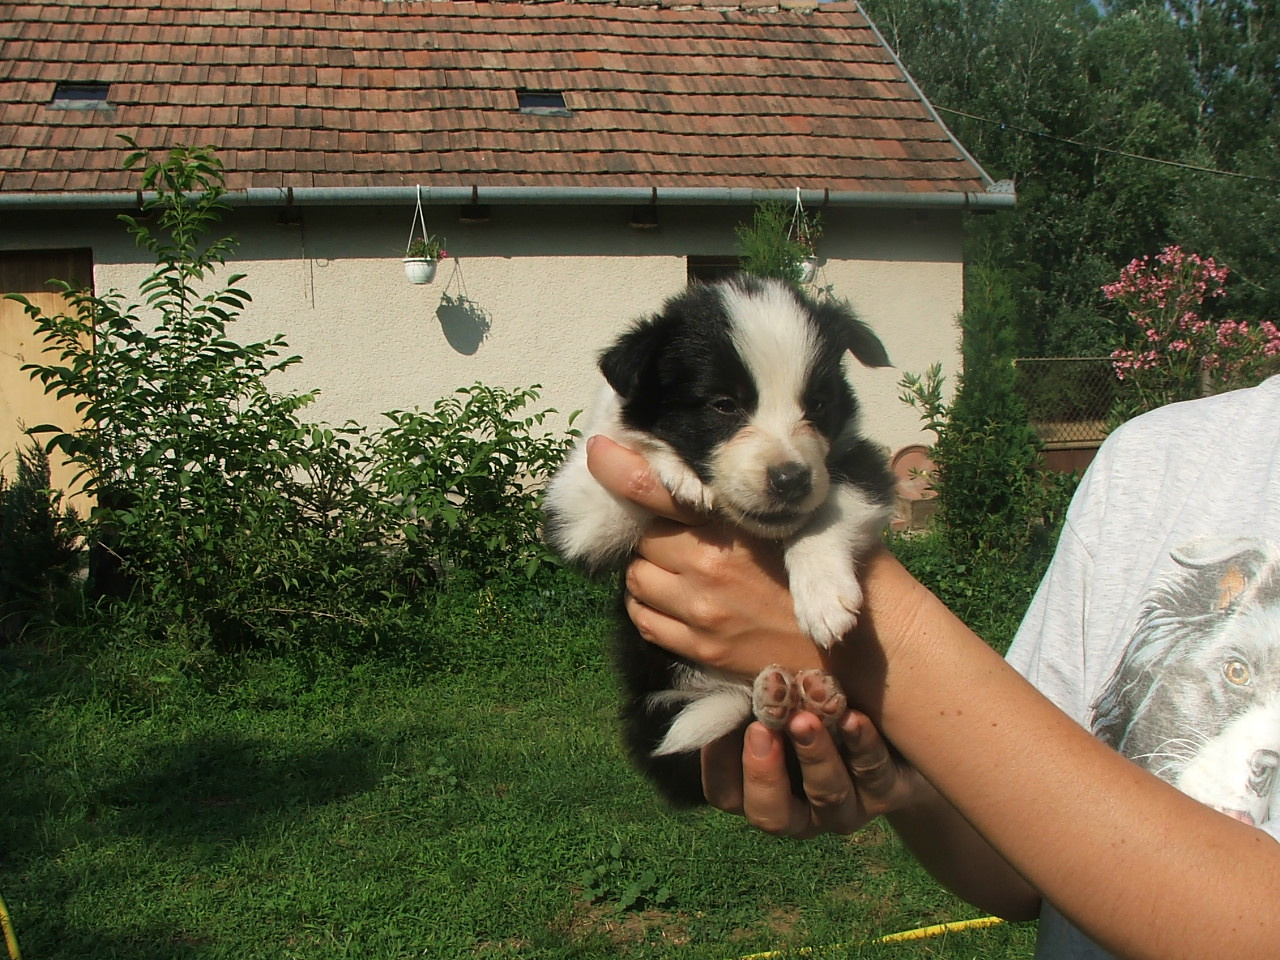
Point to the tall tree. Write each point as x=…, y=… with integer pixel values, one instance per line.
x=1106, y=122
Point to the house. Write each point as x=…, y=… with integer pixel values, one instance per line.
x=582, y=159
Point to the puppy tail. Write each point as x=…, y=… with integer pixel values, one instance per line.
x=712, y=715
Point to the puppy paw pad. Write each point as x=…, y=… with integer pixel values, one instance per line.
x=820, y=693
x=774, y=697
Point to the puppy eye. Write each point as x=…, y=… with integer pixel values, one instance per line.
x=725, y=405
x=1237, y=672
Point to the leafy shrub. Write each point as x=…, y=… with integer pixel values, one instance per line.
x=993, y=493
x=999, y=511
x=768, y=247
x=39, y=555
x=227, y=513
x=462, y=480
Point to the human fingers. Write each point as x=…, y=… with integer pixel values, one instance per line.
x=627, y=474
x=768, y=802
x=842, y=791
x=883, y=780
x=737, y=624
x=834, y=801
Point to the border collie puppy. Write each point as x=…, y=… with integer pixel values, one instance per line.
x=736, y=393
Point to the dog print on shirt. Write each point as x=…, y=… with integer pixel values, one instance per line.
x=1196, y=696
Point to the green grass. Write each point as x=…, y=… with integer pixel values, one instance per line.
x=465, y=797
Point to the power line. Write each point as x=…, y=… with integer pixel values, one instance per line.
x=1005, y=125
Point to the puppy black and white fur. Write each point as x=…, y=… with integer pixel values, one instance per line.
x=736, y=394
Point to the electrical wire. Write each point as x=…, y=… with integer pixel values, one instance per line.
x=1005, y=125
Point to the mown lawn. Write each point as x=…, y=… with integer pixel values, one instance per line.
x=468, y=802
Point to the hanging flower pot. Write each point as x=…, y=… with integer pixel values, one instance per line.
x=420, y=269
x=424, y=252
x=421, y=257
x=808, y=269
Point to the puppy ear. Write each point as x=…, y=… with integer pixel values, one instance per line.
x=632, y=360
x=856, y=336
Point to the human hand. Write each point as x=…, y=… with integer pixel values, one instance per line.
x=842, y=791
x=700, y=588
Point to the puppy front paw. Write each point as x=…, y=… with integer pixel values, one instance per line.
x=827, y=607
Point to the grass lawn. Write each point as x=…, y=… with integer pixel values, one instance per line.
x=471, y=804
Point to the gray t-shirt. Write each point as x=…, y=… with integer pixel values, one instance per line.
x=1157, y=625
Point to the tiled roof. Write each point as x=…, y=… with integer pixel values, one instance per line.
x=726, y=94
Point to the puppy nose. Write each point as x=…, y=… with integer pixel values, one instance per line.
x=1262, y=771
x=790, y=482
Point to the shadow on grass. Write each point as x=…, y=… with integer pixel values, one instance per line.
x=225, y=787
x=77, y=853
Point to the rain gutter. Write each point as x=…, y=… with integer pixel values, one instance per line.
x=997, y=196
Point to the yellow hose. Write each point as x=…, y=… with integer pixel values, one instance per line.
x=10, y=938
x=920, y=933
x=923, y=933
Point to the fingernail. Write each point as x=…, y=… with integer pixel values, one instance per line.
x=591, y=442
x=759, y=743
x=802, y=734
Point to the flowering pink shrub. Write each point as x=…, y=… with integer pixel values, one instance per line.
x=1178, y=352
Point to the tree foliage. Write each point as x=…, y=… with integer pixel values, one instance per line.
x=1107, y=120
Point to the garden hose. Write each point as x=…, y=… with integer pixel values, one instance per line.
x=923, y=933
x=920, y=933
x=10, y=938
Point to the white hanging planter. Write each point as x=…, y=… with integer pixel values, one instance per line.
x=420, y=269
x=808, y=269
x=423, y=251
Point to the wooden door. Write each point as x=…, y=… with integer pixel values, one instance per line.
x=23, y=402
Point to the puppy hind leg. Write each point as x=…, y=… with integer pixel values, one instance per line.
x=820, y=693
x=774, y=697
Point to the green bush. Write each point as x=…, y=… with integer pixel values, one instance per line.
x=767, y=247
x=993, y=491
x=219, y=506
x=39, y=556
x=999, y=510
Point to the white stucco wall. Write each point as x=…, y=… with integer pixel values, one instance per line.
x=549, y=289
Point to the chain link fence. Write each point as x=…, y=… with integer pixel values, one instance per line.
x=1068, y=399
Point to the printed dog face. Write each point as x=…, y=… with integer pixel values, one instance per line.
x=1196, y=698
x=744, y=383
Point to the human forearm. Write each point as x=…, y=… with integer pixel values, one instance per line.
x=1141, y=867
x=961, y=859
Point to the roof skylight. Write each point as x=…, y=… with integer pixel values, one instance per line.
x=545, y=103
x=81, y=96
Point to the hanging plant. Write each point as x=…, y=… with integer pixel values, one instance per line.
x=806, y=229
x=424, y=251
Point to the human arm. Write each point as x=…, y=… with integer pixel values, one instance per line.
x=1140, y=867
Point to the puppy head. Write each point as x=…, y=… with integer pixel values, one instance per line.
x=744, y=380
